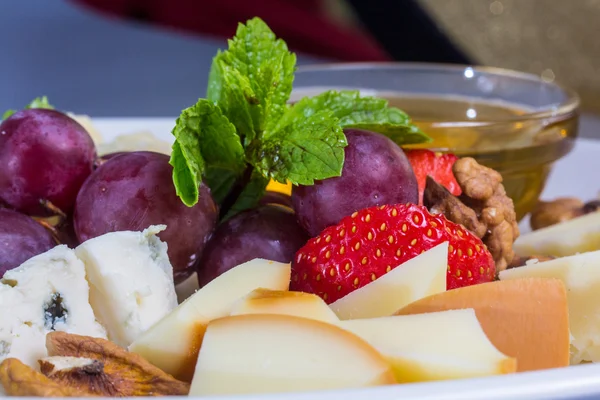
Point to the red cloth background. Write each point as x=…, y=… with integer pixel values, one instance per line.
x=301, y=23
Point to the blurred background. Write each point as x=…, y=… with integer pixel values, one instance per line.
x=151, y=57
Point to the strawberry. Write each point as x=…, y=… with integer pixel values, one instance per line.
x=436, y=165
x=373, y=241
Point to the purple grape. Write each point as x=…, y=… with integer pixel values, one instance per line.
x=45, y=157
x=134, y=190
x=376, y=172
x=269, y=232
x=21, y=238
x=271, y=197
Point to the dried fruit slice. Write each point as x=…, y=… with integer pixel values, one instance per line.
x=19, y=379
x=124, y=374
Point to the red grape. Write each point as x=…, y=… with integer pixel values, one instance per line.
x=132, y=191
x=376, y=172
x=21, y=238
x=269, y=232
x=45, y=157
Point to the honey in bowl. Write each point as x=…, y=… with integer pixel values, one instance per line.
x=497, y=135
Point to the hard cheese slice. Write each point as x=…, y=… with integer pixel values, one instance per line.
x=300, y=304
x=418, y=277
x=263, y=353
x=47, y=293
x=433, y=346
x=173, y=343
x=525, y=318
x=565, y=239
x=131, y=281
x=581, y=276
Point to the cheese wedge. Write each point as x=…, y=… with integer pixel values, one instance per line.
x=300, y=304
x=131, y=281
x=525, y=318
x=418, y=277
x=262, y=353
x=433, y=346
x=581, y=276
x=46, y=293
x=565, y=239
x=172, y=344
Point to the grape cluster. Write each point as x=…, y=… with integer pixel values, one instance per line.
x=54, y=189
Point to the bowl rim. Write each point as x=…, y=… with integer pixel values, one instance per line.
x=552, y=110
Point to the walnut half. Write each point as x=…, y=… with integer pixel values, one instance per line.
x=483, y=208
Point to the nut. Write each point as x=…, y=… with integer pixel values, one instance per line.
x=439, y=200
x=483, y=208
x=19, y=379
x=547, y=213
x=124, y=374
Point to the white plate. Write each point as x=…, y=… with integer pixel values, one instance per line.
x=565, y=383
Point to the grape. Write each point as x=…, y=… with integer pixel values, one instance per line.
x=271, y=197
x=21, y=238
x=132, y=191
x=269, y=232
x=45, y=157
x=376, y=172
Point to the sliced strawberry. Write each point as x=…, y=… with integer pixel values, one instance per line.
x=373, y=241
x=436, y=165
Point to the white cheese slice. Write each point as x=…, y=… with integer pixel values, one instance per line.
x=46, y=293
x=131, y=281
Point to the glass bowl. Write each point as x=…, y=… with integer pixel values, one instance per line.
x=517, y=123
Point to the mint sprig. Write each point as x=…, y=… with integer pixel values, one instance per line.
x=38, y=102
x=245, y=132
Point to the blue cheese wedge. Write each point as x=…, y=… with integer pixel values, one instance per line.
x=49, y=292
x=131, y=281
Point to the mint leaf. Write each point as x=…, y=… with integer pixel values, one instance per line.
x=38, y=102
x=365, y=112
x=252, y=80
x=250, y=196
x=237, y=99
x=303, y=147
x=185, y=174
x=205, y=139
